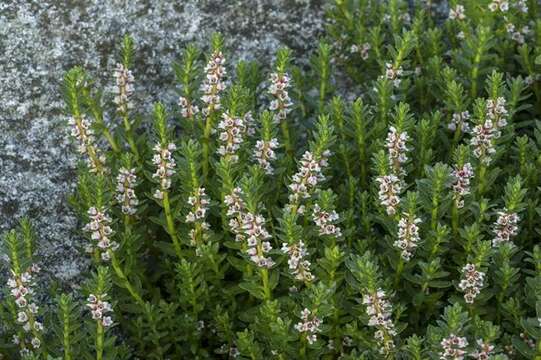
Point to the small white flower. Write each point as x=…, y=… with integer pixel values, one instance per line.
x=505, y=227
x=457, y=13
x=389, y=192
x=213, y=84
x=453, y=348
x=281, y=105
x=124, y=88
x=471, y=283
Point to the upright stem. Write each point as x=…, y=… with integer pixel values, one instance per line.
x=265, y=280
x=170, y=223
x=99, y=341
x=129, y=137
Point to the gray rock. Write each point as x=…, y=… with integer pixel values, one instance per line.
x=42, y=39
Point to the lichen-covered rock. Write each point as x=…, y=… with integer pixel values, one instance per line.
x=42, y=39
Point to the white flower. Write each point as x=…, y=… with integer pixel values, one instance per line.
x=501, y=5
x=393, y=74
x=325, y=222
x=125, y=188
x=213, y=83
x=36, y=343
x=187, y=109
x=264, y=154
x=281, y=105
x=22, y=317
x=505, y=227
x=231, y=136
x=309, y=175
x=199, y=203
x=310, y=325
x=299, y=266
x=99, y=308
x=484, y=350
x=460, y=121
x=408, y=236
x=165, y=167
x=124, y=88
x=99, y=227
x=379, y=310
x=453, y=348
x=484, y=135
x=396, y=147
x=81, y=129
x=389, y=192
x=461, y=183
x=457, y=13
x=471, y=283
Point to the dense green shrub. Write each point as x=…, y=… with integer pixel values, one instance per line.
x=266, y=217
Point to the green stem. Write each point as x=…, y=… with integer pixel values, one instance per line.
x=206, y=146
x=120, y=273
x=99, y=341
x=265, y=280
x=170, y=223
x=129, y=138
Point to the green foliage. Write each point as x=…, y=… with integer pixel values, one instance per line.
x=289, y=213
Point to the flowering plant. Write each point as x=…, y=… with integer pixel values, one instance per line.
x=262, y=216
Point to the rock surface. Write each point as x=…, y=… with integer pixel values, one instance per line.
x=42, y=39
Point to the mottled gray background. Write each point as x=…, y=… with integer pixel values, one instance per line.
x=40, y=40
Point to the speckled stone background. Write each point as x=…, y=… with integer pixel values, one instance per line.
x=40, y=40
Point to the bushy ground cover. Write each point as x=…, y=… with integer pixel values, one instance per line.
x=264, y=216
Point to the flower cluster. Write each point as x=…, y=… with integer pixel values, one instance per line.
x=309, y=175
x=502, y=5
x=460, y=121
x=325, y=220
x=396, y=146
x=471, y=283
x=125, y=188
x=281, y=105
x=253, y=228
x=485, y=134
x=100, y=231
x=389, y=192
x=483, y=141
x=298, y=264
x=457, y=13
x=165, y=165
x=380, y=310
x=484, y=350
x=232, y=130
x=309, y=325
x=461, y=183
x=518, y=35
x=496, y=111
x=99, y=309
x=363, y=50
x=522, y=6
x=199, y=203
x=264, y=154
x=21, y=288
x=249, y=227
x=214, y=82
x=235, y=210
x=81, y=129
x=393, y=74
x=408, y=236
x=453, y=347
x=505, y=227
x=124, y=88
x=187, y=109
